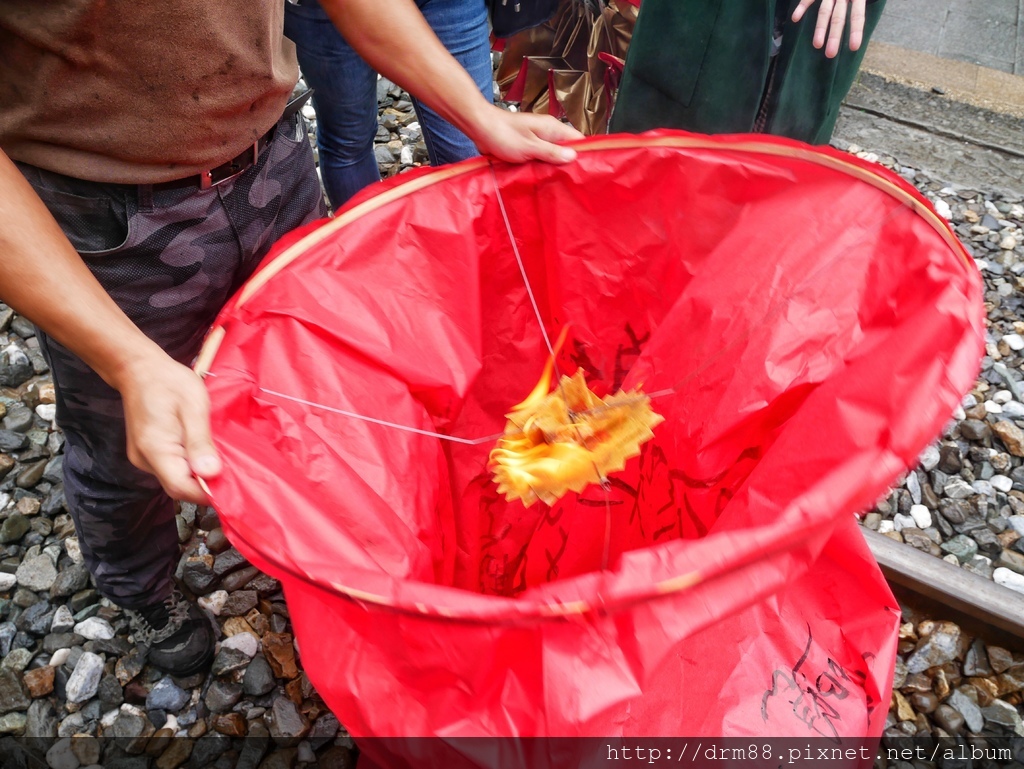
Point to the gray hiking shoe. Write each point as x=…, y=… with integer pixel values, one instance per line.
x=176, y=635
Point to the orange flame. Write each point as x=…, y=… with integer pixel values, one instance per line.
x=564, y=440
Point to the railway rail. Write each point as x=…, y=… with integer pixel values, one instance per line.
x=930, y=584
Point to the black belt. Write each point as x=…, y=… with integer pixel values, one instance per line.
x=204, y=180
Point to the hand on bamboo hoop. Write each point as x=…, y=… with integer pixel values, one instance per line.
x=518, y=137
x=167, y=415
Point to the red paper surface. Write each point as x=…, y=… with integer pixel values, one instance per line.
x=814, y=324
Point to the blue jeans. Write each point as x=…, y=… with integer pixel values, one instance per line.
x=345, y=90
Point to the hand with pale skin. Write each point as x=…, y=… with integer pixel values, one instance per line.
x=167, y=413
x=832, y=21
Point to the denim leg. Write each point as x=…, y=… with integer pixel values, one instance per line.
x=344, y=97
x=462, y=26
x=170, y=267
x=345, y=90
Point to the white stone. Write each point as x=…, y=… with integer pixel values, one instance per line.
x=85, y=679
x=95, y=629
x=15, y=355
x=1008, y=243
x=7, y=581
x=60, y=755
x=214, y=602
x=1001, y=483
x=1008, y=578
x=950, y=558
x=884, y=527
x=405, y=157
x=1016, y=523
x=1014, y=341
x=74, y=550
x=958, y=414
x=171, y=723
x=59, y=657
x=1014, y=410
x=901, y=522
x=922, y=516
x=1002, y=397
x=991, y=407
x=132, y=710
x=958, y=488
x=47, y=411
x=969, y=401
x=983, y=487
x=63, y=620
x=929, y=458
x=942, y=209
x=246, y=643
x=108, y=718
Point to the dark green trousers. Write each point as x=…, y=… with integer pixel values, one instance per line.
x=706, y=66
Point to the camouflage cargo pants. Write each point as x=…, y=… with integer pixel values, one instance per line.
x=170, y=259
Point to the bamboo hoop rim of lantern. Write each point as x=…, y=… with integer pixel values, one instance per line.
x=862, y=170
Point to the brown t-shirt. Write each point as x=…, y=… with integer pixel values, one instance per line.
x=140, y=91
